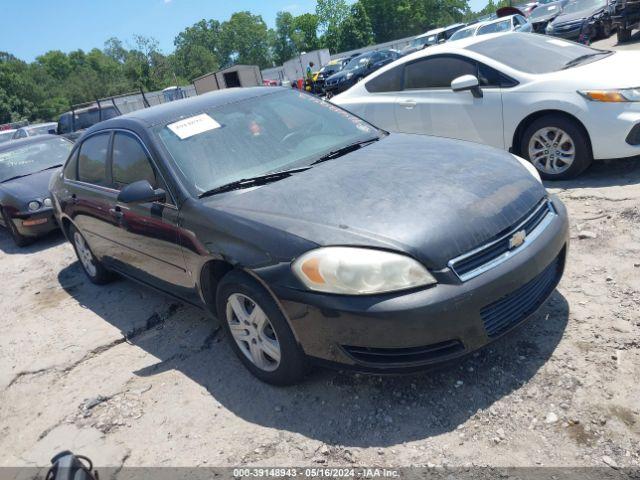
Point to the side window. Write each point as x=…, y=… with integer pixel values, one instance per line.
x=437, y=72
x=71, y=169
x=92, y=162
x=389, y=81
x=130, y=161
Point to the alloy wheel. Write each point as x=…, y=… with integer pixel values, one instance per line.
x=552, y=150
x=252, y=331
x=84, y=254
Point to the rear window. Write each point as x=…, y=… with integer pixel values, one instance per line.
x=92, y=163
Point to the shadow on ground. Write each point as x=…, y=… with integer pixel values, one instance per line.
x=607, y=173
x=8, y=246
x=335, y=408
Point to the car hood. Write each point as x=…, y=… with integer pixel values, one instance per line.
x=31, y=187
x=571, y=17
x=429, y=197
x=343, y=73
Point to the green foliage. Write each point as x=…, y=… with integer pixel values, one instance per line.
x=55, y=80
x=356, y=30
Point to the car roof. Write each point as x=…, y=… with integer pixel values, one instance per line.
x=10, y=130
x=15, y=144
x=38, y=125
x=166, y=112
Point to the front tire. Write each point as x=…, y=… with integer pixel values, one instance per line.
x=258, y=332
x=92, y=267
x=624, y=35
x=557, y=146
x=19, y=239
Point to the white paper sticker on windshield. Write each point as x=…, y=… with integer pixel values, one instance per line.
x=559, y=43
x=552, y=7
x=193, y=125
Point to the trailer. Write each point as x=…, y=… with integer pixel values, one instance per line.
x=235, y=76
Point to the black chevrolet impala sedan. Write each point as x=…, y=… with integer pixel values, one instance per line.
x=312, y=235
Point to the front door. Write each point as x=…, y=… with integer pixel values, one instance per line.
x=147, y=238
x=428, y=105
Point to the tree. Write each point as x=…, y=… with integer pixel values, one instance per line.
x=198, y=49
x=306, y=28
x=285, y=38
x=356, y=30
x=331, y=14
x=245, y=40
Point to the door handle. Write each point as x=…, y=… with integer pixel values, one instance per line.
x=116, y=212
x=408, y=104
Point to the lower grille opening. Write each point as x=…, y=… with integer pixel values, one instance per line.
x=501, y=315
x=404, y=355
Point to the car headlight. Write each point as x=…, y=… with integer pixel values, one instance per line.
x=47, y=202
x=33, y=205
x=616, y=96
x=529, y=166
x=359, y=271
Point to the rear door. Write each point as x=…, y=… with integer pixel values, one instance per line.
x=89, y=196
x=428, y=105
x=146, y=240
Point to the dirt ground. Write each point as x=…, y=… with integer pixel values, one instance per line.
x=129, y=377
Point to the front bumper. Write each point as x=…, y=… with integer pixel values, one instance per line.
x=35, y=224
x=408, y=331
x=570, y=34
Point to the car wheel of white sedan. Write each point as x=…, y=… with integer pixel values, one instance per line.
x=260, y=334
x=557, y=147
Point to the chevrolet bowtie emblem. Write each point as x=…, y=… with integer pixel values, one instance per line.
x=517, y=239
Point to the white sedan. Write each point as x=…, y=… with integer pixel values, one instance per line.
x=557, y=103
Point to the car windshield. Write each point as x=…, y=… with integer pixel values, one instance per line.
x=357, y=62
x=503, y=26
x=544, y=10
x=42, y=129
x=33, y=157
x=464, y=33
x=330, y=69
x=580, y=5
x=256, y=136
x=533, y=53
x=6, y=136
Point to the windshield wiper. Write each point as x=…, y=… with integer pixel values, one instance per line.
x=27, y=174
x=581, y=59
x=14, y=178
x=252, y=182
x=344, y=150
x=49, y=168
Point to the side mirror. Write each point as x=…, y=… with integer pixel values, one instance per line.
x=141, y=192
x=467, y=82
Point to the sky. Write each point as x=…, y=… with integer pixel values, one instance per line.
x=29, y=28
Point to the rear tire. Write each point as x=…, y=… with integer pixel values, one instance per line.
x=562, y=138
x=623, y=35
x=92, y=267
x=19, y=239
x=258, y=331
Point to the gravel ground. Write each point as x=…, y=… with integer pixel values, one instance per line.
x=130, y=377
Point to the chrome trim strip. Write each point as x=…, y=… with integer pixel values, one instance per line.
x=544, y=223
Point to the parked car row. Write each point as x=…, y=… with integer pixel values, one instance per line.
x=294, y=222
